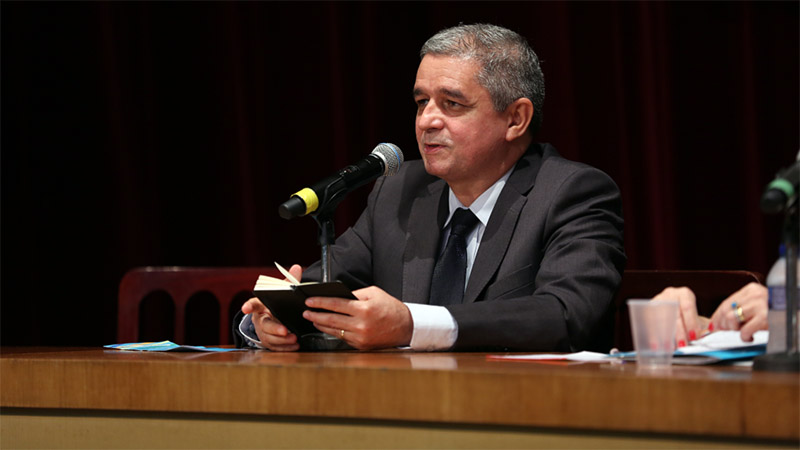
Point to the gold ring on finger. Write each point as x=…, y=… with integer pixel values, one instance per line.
x=740, y=314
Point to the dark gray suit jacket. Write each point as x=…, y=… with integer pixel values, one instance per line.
x=549, y=263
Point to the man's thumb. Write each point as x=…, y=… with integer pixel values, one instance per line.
x=253, y=305
x=297, y=271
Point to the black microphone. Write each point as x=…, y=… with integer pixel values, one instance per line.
x=782, y=191
x=385, y=159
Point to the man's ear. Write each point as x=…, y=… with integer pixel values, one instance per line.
x=519, y=116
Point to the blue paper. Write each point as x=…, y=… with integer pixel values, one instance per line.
x=167, y=346
x=720, y=346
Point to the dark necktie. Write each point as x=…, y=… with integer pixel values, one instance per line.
x=450, y=272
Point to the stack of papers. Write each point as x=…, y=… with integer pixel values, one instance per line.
x=722, y=346
x=713, y=348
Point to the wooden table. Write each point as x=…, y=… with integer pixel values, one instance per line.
x=91, y=397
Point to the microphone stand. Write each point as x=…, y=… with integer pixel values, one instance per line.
x=789, y=360
x=326, y=237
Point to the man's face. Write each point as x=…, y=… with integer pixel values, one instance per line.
x=460, y=136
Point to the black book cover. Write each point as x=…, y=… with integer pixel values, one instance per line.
x=287, y=304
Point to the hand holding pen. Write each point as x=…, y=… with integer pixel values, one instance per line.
x=690, y=325
x=745, y=310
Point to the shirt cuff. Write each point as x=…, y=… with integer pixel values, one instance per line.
x=434, y=327
x=248, y=331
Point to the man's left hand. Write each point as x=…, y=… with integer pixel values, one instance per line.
x=375, y=320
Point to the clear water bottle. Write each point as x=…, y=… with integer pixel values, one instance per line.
x=776, y=285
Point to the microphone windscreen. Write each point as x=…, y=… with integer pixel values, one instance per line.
x=392, y=157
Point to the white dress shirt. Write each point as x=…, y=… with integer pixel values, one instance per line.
x=434, y=326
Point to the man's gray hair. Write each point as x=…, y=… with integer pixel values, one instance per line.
x=509, y=67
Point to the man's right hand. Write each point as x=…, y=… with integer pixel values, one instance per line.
x=272, y=334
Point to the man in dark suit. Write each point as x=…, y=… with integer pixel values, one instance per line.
x=540, y=254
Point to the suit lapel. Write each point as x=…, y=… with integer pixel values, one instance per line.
x=426, y=219
x=503, y=222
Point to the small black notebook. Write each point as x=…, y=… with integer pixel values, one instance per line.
x=286, y=302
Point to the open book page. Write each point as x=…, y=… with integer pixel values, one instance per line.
x=266, y=283
x=286, y=274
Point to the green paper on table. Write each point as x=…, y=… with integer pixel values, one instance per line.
x=167, y=346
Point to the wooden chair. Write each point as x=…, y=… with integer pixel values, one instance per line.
x=221, y=291
x=190, y=303
x=710, y=286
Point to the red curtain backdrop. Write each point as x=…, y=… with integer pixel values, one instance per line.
x=167, y=133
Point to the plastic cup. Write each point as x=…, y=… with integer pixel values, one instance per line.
x=653, y=330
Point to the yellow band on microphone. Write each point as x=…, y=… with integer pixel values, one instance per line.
x=309, y=197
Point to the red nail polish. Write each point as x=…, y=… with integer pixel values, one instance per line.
x=681, y=343
x=710, y=326
x=692, y=335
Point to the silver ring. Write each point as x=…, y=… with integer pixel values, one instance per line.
x=341, y=334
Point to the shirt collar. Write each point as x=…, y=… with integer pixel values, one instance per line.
x=483, y=205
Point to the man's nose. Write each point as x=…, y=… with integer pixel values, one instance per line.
x=430, y=117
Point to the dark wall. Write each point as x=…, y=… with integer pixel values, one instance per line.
x=166, y=133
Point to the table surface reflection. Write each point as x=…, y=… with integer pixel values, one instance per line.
x=404, y=385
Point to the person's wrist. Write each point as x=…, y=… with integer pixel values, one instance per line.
x=408, y=327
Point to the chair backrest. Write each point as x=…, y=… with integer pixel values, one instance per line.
x=224, y=289
x=710, y=286
x=231, y=286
